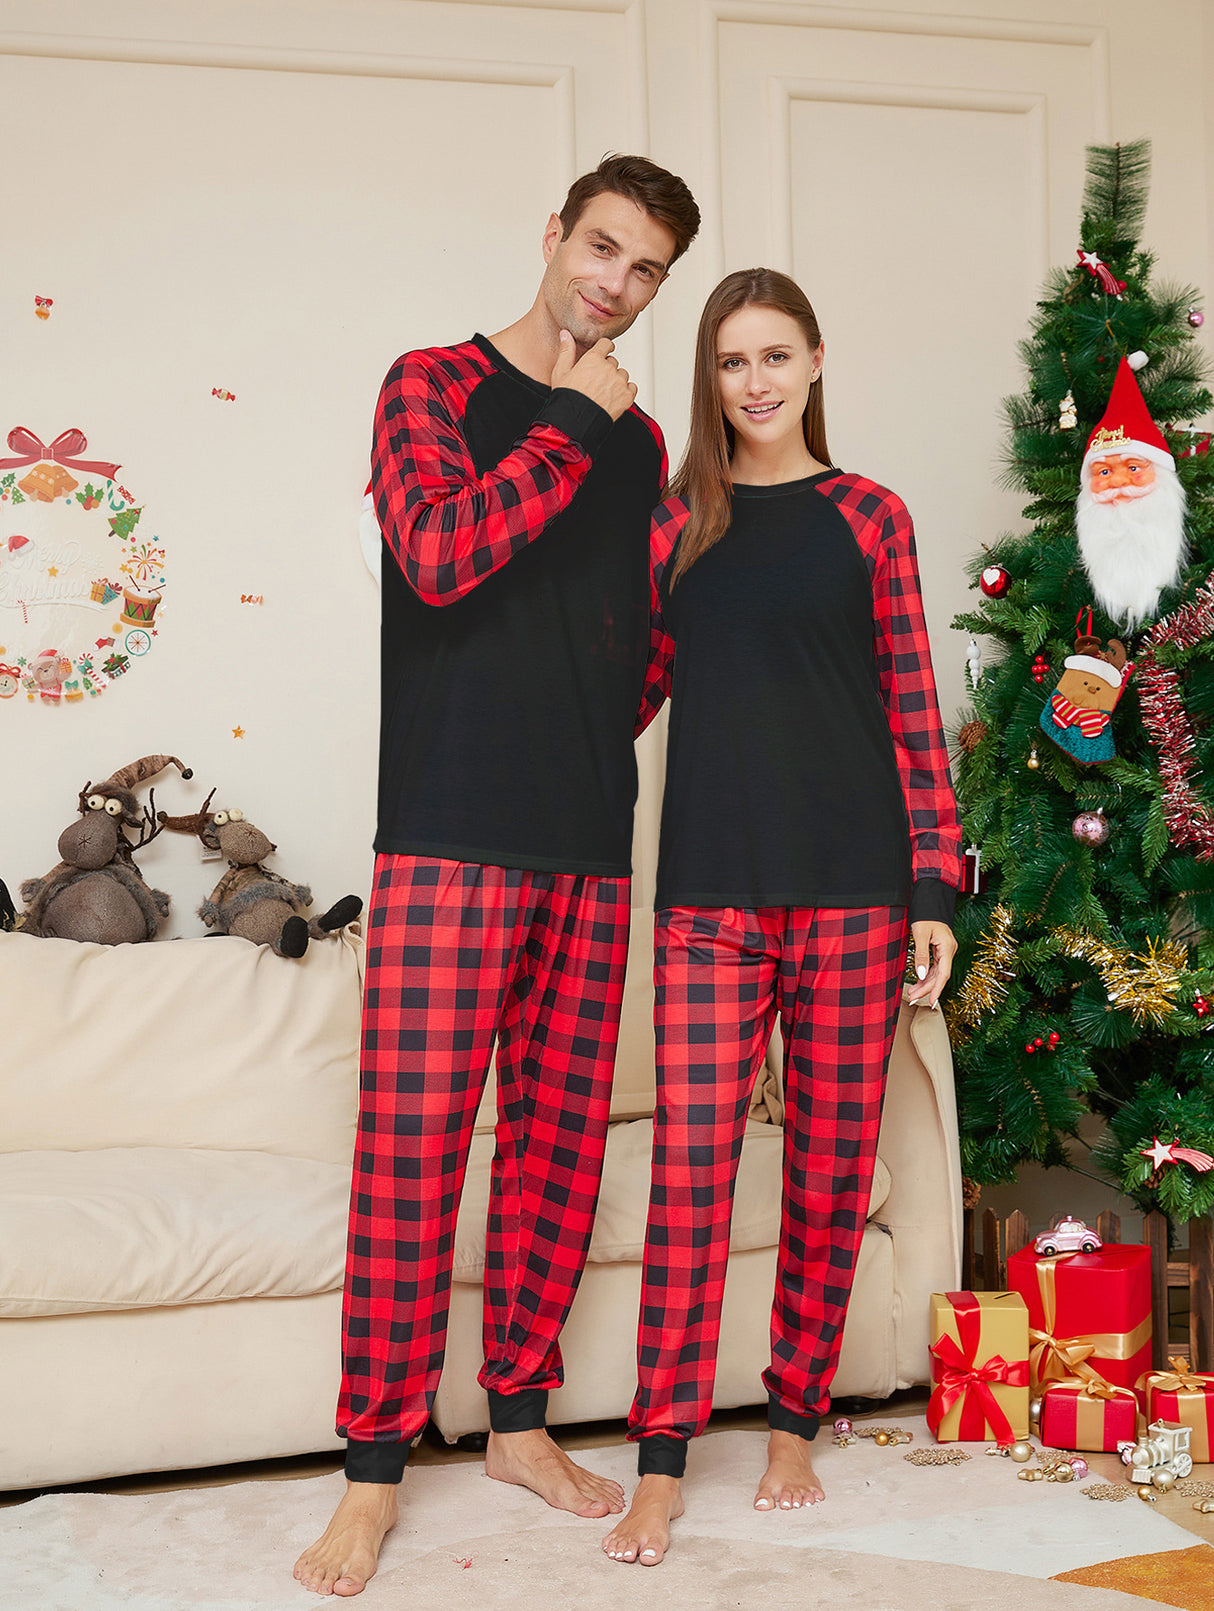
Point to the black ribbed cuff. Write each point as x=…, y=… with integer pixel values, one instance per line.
x=782, y=1419
x=932, y=901
x=518, y=1412
x=661, y=1455
x=582, y=420
x=376, y=1462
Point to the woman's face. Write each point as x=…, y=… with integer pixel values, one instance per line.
x=764, y=371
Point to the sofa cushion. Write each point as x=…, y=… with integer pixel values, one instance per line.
x=192, y=1043
x=138, y=1227
x=619, y=1226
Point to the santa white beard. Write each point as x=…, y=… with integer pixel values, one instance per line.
x=1132, y=551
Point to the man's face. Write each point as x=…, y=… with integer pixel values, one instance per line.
x=1119, y=478
x=607, y=271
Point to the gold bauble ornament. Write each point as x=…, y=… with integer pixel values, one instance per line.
x=1163, y=1480
x=1035, y=1410
x=1021, y=1451
x=1062, y=1472
x=880, y=1439
x=1033, y=763
x=1148, y=1493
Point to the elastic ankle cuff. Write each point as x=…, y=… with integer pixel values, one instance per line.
x=782, y=1419
x=518, y=1412
x=661, y=1455
x=376, y=1462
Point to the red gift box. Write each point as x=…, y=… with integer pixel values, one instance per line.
x=1083, y=1414
x=1183, y=1396
x=1089, y=1313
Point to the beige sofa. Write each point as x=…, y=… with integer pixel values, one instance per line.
x=176, y=1126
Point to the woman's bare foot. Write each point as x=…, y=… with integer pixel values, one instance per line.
x=644, y=1534
x=532, y=1460
x=345, y=1555
x=789, y=1481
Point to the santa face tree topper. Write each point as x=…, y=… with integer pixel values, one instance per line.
x=1129, y=516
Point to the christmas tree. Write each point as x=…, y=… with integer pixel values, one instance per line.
x=1085, y=767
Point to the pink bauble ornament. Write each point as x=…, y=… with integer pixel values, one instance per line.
x=842, y=1424
x=1196, y=318
x=1079, y=1466
x=1090, y=828
x=994, y=581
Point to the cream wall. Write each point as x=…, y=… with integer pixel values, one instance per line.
x=277, y=198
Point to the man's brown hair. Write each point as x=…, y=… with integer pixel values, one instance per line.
x=662, y=195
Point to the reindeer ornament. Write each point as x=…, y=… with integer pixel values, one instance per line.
x=96, y=892
x=1078, y=715
x=250, y=900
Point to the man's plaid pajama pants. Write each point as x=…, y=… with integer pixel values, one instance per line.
x=459, y=953
x=721, y=974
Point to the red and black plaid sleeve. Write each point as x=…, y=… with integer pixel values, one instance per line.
x=669, y=518
x=449, y=527
x=904, y=662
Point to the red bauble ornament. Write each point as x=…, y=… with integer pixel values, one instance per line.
x=1090, y=827
x=994, y=581
x=1196, y=318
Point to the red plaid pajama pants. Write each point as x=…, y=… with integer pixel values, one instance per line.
x=720, y=976
x=458, y=953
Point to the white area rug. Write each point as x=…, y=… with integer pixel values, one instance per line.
x=889, y=1537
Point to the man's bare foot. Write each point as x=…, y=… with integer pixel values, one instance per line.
x=344, y=1557
x=644, y=1534
x=789, y=1481
x=532, y=1460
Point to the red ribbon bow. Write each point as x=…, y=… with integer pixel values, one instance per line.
x=957, y=1377
x=63, y=450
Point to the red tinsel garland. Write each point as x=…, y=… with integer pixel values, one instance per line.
x=1188, y=818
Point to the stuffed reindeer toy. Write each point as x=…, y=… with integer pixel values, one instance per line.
x=250, y=900
x=96, y=892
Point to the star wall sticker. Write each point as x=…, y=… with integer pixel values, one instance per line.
x=238, y=732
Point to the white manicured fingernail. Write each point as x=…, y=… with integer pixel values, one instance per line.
x=921, y=971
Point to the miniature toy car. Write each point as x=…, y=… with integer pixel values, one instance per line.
x=1068, y=1236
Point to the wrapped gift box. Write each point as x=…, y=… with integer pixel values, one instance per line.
x=979, y=1349
x=1087, y=1415
x=1089, y=1313
x=1183, y=1396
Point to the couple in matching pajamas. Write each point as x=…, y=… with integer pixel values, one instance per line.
x=537, y=612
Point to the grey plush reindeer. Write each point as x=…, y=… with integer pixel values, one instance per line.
x=250, y=900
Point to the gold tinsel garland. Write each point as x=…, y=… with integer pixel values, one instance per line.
x=990, y=976
x=1143, y=985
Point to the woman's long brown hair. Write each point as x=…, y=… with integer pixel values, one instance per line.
x=702, y=479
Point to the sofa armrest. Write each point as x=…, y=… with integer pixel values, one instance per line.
x=920, y=1145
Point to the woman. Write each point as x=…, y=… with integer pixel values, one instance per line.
x=808, y=818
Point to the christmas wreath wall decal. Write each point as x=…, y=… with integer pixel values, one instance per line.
x=81, y=578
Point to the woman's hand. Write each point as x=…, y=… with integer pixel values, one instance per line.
x=935, y=948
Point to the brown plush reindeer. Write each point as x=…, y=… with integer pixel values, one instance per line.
x=96, y=892
x=250, y=900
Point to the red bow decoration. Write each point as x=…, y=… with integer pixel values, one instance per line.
x=63, y=450
x=957, y=1377
x=44, y=301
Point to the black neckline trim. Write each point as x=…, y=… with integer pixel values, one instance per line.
x=507, y=368
x=781, y=489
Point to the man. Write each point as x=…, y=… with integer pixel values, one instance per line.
x=513, y=480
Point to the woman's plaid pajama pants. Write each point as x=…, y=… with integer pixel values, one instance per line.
x=721, y=974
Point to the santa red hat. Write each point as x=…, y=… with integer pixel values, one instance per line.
x=1127, y=427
